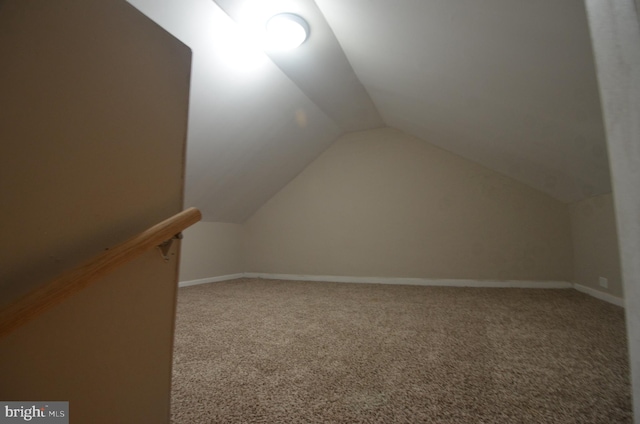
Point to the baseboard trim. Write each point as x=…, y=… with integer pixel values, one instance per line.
x=618, y=301
x=416, y=281
x=210, y=280
x=523, y=284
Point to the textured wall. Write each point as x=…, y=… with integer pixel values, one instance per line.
x=382, y=203
x=595, y=244
x=92, y=133
x=211, y=249
x=615, y=32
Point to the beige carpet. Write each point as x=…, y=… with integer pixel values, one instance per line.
x=260, y=351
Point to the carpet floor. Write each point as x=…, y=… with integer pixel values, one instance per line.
x=266, y=351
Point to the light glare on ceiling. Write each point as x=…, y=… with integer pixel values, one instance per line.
x=286, y=31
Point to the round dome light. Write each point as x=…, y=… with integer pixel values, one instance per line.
x=286, y=31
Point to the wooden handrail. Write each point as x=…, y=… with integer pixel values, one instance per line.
x=48, y=295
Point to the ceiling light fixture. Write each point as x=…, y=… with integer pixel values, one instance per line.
x=286, y=31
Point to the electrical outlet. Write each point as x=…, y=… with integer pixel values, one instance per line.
x=604, y=282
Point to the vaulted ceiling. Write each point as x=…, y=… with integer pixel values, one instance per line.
x=509, y=84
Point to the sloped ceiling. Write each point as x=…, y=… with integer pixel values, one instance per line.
x=507, y=83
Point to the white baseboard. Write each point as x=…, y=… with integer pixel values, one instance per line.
x=210, y=280
x=523, y=284
x=599, y=295
x=416, y=281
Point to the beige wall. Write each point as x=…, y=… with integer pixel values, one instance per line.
x=211, y=249
x=92, y=133
x=595, y=244
x=382, y=203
